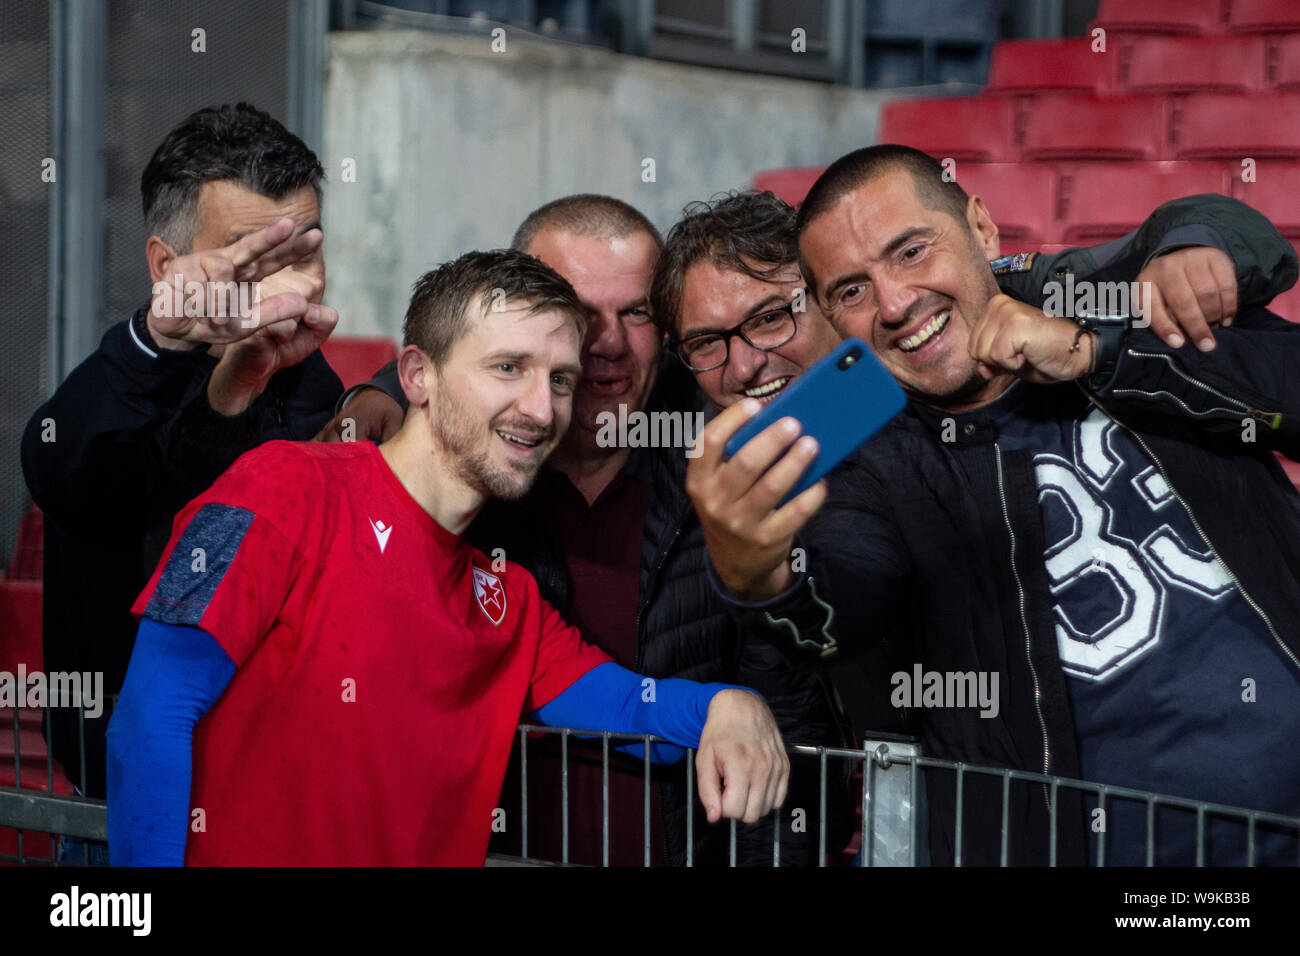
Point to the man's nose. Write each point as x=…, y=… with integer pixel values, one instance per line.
x=893, y=300
x=744, y=361
x=606, y=336
x=537, y=403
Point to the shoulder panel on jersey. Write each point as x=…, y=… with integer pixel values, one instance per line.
x=184, y=592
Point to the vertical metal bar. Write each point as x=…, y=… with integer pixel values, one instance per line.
x=836, y=37
x=1151, y=831
x=742, y=22
x=776, y=837
x=961, y=781
x=604, y=798
x=1200, y=835
x=305, y=64
x=912, y=813
x=564, y=796
x=79, y=51
x=49, y=753
x=868, y=813
x=523, y=791
x=732, y=847
x=857, y=43
x=81, y=744
x=18, y=764
x=864, y=839
x=1006, y=799
x=1051, y=811
x=49, y=778
x=1101, y=835
x=646, y=801
x=1250, y=841
x=821, y=813
x=18, y=775
x=690, y=808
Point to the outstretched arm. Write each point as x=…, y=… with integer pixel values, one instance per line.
x=176, y=674
x=740, y=760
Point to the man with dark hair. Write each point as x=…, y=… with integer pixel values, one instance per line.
x=223, y=357
x=730, y=258
x=729, y=292
x=354, y=667
x=611, y=538
x=1140, y=471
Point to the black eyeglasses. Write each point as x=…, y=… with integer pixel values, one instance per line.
x=705, y=351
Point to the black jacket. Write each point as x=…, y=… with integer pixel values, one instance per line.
x=942, y=543
x=134, y=439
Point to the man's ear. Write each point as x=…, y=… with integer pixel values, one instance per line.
x=157, y=253
x=983, y=228
x=416, y=372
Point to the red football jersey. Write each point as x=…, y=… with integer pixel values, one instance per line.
x=382, y=665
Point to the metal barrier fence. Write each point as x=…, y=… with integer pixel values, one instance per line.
x=892, y=830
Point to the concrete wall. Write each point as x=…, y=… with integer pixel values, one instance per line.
x=454, y=144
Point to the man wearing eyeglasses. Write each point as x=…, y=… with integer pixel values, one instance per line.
x=936, y=560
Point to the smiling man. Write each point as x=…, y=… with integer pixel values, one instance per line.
x=171, y=397
x=1091, y=512
x=610, y=535
x=339, y=721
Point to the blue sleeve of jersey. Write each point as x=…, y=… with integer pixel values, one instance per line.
x=176, y=674
x=610, y=697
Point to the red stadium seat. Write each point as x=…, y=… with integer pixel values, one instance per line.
x=1021, y=199
x=29, y=547
x=1263, y=16
x=1034, y=66
x=1287, y=63
x=1234, y=126
x=1101, y=201
x=1188, y=64
x=1161, y=16
x=1078, y=126
x=355, y=359
x=1287, y=304
x=977, y=129
x=789, y=184
x=1276, y=193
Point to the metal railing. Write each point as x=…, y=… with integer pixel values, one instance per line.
x=890, y=777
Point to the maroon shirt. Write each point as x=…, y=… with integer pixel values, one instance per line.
x=601, y=547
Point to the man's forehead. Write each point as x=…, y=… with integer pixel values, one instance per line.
x=511, y=323
x=574, y=255
x=864, y=221
x=234, y=210
x=713, y=291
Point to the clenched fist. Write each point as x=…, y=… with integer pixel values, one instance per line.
x=1014, y=337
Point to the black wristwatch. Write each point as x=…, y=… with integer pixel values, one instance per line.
x=1111, y=331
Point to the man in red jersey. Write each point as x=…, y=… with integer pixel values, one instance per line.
x=289, y=702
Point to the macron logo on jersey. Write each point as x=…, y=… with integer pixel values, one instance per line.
x=490, y=594
x=381, y=533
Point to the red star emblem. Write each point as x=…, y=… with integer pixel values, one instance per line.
x=490, y=594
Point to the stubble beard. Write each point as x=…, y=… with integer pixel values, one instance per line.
x=455, y=433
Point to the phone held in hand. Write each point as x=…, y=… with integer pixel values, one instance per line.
x=841, y=401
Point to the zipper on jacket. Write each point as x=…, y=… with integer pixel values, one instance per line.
x=1204, y=537
x=1271, y=419
x=643, y=599
x=1020, y=591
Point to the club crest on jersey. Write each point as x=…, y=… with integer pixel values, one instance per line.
x=490, y=594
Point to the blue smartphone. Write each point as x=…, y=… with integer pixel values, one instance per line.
x=841, y=401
